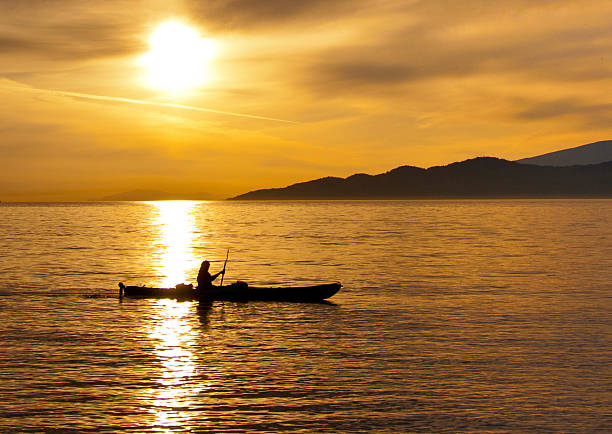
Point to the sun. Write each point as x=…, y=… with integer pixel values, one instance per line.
x=178, y=58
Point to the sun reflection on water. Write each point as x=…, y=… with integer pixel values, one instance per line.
x=179, y=382
x=175, y=220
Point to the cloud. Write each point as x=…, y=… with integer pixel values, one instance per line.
x=68, y=30
x=356, y=72
x=249, y=15
x=584, y=113
x=536, y=42
x=156, y=104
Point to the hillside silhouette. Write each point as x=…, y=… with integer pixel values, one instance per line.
x=592, y=153
x=480, y=177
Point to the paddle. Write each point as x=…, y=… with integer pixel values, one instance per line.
x=223, y=275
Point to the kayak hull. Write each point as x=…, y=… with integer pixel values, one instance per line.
x=236, y=292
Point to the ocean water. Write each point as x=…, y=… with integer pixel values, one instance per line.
x=455, y=316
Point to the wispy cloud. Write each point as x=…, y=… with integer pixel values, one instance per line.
x=141, y=102
x=249, y=15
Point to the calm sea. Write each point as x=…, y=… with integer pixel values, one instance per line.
x=488, y=316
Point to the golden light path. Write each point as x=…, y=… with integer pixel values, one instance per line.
x=179, y=382
x=175, y=220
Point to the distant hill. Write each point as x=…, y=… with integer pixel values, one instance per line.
x=146, y=195
x=478, y=177
x=593, y=153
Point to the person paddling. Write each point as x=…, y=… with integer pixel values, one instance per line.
x=205, y=279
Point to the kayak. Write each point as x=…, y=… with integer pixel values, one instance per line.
x=238, y=291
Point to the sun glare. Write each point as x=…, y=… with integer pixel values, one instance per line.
x=175, y=220
x=178, y=58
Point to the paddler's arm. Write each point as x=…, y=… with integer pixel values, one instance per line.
x=214, y=276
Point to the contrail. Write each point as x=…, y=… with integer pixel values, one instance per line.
x=149, y=103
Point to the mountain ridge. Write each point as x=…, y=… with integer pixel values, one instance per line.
x=476, y=177
x=591, y=153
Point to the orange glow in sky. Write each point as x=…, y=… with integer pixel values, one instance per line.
x=368, y=85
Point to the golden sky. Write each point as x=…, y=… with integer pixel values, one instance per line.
x=367, y=86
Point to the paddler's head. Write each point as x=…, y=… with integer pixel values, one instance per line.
x=205, y=265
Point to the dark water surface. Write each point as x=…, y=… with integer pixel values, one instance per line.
x=489, y=316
